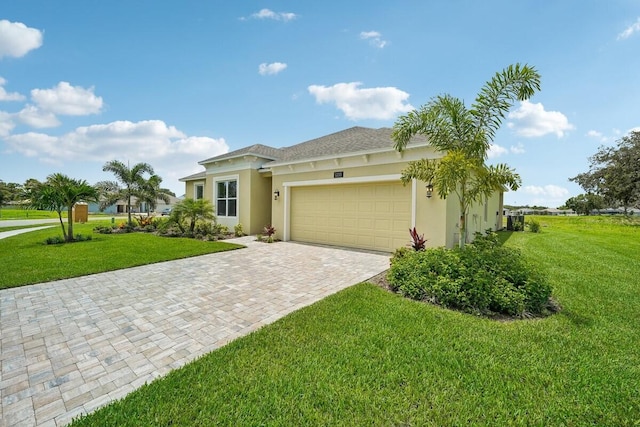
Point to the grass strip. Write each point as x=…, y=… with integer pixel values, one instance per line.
x=27, y=260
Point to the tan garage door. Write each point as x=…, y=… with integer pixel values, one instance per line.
x=368, y=216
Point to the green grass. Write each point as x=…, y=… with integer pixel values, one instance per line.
x=26, y=259
x=368, y=357
x=10, y=213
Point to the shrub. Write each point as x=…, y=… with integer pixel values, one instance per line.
x=483, y=278
x=54, y=240
x=103, y=229
x=518, y=225
x=269, y=230
x=82, y=238
x=534, y=226
x=238, y=231
x=418, y=241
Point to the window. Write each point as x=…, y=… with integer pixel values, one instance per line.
x=227, y=198
x=199, y=191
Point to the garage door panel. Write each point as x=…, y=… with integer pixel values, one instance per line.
x=369, y=216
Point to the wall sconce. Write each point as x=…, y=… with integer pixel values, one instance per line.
x=429, y=190
x=276, y=194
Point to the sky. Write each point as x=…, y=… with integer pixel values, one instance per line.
x=172, y=83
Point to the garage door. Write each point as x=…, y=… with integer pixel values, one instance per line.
x=373, y=216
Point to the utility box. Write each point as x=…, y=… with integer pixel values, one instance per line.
x=515, y=223
x=80, y=212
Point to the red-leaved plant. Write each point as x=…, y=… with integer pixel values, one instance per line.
x=269, y=230
x=418, y=241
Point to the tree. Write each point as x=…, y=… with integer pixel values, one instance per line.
x=614, y=172
x=150, y=193
x=192, y=211
x=59, y=192
x=465, y=135
x=130, y=182
x=583, y=204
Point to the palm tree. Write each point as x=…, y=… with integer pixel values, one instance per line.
x=192, y=210
x=130, y=182
x=150, y=193
x=60, y=192
x=464, y=135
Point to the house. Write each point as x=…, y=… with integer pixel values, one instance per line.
x=341, y=189
x=120, y=207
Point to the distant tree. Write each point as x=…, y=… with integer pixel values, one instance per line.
x=59, y=193
x=192, y=211
x=464, y=135
x=151, y=192
x=129, y=183
x=614, y=172
x=583, y=204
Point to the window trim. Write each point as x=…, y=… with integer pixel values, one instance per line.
x=195, y=189
x=228, y=178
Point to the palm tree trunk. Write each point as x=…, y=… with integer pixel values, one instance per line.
x=69, y=224
x=64, y=232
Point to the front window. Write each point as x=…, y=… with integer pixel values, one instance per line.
x=227, y=198
x=199, y=191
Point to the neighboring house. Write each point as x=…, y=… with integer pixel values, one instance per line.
x=120, y=207
x=342, y=189
x=558, y=212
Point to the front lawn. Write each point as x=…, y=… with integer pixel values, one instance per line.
x=26, y=260
x=369, y=357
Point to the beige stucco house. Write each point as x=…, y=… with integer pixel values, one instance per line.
x=342, y=189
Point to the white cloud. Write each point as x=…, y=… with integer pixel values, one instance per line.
x=9, y=96
x=16, y=39
x=37, y=118
x=382, y=103
x=628, y=32
x=496, y=150
x=6, y=123
x=533, y=195
x=517, y=149
x=552, y=191
x=270, y=69
x=172, y=153
x=374, y=37
x=635, y=129
x=67, y=100
x=597, y=135
x=276, y=16
x=531, y=120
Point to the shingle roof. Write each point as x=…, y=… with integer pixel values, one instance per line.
x=353, y=140
x=199, y=175
x=256, y=150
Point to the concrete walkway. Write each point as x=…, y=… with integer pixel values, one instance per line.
x=5, y=234
x=71, y=346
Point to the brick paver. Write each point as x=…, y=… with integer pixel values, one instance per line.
x=71, y=346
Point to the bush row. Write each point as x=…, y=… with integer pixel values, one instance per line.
x=483, y=278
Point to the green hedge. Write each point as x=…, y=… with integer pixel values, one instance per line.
x=482, y=278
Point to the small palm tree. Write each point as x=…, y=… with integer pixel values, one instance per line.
x=129, y=183
x=192, y=211
x=465, y=135
x=60, y=192
x=151, y=192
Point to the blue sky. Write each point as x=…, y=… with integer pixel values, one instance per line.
x=172, y=83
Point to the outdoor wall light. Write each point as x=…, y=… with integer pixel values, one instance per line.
x=276, y=194
x=429, y=190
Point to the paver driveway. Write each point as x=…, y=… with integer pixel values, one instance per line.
x=71, y=346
